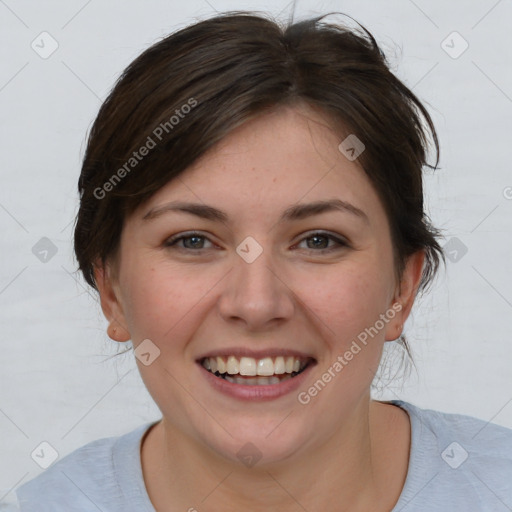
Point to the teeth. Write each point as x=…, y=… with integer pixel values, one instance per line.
x=221, y=365
x=265, y=366
x=252, y=381
x=250, y=367
x=279, y=366
x=233, y=366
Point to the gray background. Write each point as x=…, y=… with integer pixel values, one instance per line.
x=57, y=383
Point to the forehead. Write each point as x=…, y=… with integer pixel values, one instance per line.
x=285, y=156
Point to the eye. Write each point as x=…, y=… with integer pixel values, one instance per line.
x=320, y=241
x=196, y=241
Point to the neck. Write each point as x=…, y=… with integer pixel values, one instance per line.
x=357, y=464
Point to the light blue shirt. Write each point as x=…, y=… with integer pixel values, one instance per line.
x=456, y=463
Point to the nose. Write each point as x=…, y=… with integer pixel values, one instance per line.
x=256, y=294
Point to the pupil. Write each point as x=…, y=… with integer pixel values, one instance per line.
x=193, y=238
x=316, y=238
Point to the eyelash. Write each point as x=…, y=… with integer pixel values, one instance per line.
x=171, y=242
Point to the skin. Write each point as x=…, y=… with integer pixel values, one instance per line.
x=201, y=295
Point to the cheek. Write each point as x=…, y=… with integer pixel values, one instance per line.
x=347, y=302
x=168, y=303
x=160, y=301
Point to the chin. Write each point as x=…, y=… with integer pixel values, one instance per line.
x=257, y=443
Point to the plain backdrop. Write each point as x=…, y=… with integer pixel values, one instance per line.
x=58, y=383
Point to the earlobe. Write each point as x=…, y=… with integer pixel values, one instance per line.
x=117, y=332
x=110, y=304
x=406, y=294
x=395, y=326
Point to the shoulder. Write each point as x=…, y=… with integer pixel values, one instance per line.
x=456, y=460
x=481, y=438
x=86, y=477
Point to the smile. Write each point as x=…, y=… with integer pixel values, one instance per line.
x=249, y=371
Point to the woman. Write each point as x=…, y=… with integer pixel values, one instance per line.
x=252, y=218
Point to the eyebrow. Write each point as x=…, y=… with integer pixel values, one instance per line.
x=294, y=212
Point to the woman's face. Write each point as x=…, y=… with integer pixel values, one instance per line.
x=263, y=279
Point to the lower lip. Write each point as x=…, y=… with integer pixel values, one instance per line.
x=256, y=392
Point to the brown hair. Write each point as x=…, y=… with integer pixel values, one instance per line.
x=189, y=90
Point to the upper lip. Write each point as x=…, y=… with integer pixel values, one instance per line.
x=255, y=354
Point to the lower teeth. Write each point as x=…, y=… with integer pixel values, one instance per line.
x=252, y=381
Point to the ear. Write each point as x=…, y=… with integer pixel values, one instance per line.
x=110, y=303
x=405, y=294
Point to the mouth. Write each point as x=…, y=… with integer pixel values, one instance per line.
x=249, y=371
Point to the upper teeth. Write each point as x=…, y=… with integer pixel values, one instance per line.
x=251, y=366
